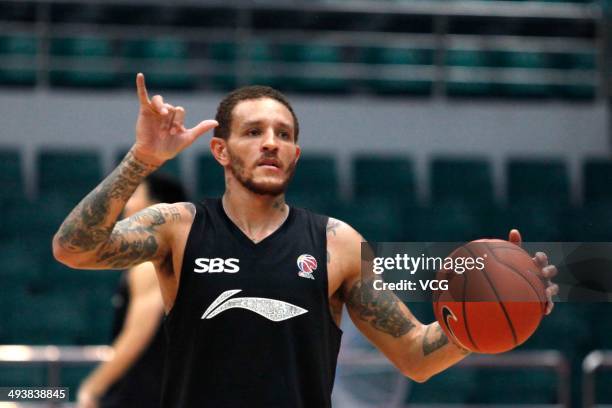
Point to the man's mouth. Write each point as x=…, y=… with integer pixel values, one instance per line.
x=269, y=163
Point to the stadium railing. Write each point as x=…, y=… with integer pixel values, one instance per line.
x=335, y=69
x=354, y=360
x=594, y=362
x=53, y=358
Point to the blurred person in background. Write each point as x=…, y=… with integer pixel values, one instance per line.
x=133, y=377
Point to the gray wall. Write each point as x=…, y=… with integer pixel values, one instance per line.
x=421, y=129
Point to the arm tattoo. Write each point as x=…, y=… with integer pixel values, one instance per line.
x=133, y=240
x=91, y=222
x=434, y=339
x=380, y=308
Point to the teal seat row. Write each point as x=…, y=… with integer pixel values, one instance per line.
x=84, y=62
x=72, y=174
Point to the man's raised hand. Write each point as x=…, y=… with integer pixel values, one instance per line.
x=160, y=132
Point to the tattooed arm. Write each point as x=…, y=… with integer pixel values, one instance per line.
x=417, y=350
x=90, y=237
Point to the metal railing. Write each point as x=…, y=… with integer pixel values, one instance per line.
x=53, y=358
x=355, y=360
x=246, y=33
x=56, y=357
x=593, y=363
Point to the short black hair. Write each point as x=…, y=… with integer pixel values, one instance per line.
x=164, y=188
x=226, y=107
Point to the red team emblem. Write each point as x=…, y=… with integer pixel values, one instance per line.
x=307, y=264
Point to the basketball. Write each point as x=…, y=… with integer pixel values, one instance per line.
x=495, y=308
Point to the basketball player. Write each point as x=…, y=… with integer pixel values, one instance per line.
x=132, y=378
x=253, y=289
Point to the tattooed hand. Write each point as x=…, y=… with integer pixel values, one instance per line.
x=160, y=133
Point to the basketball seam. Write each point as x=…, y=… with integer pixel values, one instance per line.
x=501, y=304
x=519, y=274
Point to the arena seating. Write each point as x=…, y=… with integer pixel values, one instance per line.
x=509, y=61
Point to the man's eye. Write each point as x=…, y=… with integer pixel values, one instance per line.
x=253, y=132
x=285, y=136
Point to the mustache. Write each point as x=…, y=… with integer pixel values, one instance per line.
x=269, y=159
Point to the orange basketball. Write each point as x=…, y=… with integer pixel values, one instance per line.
x=495, y=308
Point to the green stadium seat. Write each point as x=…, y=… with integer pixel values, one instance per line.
x=523, y=59
x=18, y=265
x=539, y=180
x=225, y=53
x=18, y=52
x=315, y=176
x=526, y=90
x=314, y=56
x=467, y=180
x=494, y=222
x=11, y=178
x=470, y=58
x=528, y=60
x=35, y=222
x=210, y=177
x=85, y=61
x=457, y=88
x=447, y=222
x=260, y=55
x=399, y=56
x=376, y=219
x=162, y=60
x=465, y=58
x=566, y=60
x=389, y=177
x=597, y=181
x=72, y=174
x=587, y=61
x=576, y=92
x=537, y=221
x=592, y=223
x=50, y=319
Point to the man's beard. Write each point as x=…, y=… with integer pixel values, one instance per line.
x=237, y=169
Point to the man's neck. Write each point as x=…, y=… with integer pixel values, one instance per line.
x=258, y=216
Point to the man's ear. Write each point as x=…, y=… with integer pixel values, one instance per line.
x=298, y=152
x=218, y=148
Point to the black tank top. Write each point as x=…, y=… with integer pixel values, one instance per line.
x=251, y=325
x=140, y=387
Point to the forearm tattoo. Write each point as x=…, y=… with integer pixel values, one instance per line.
x=133, y=240
x=433, y=339
x=90, y=223
x=380, y=308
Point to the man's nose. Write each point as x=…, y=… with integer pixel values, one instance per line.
x=269, y=141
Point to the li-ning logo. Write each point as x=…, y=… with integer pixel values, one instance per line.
x=271, y=309
x=307, y=264
x=214, y=265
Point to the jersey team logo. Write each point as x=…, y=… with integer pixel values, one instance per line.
x=307, y=264
x=272, y=309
